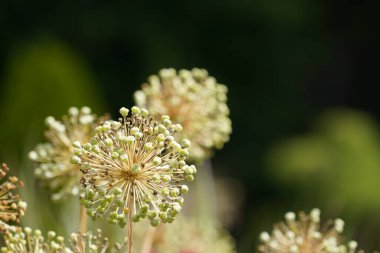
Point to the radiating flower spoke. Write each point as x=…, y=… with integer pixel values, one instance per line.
x=134, y=167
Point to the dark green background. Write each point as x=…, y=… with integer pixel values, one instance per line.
x=284, y=63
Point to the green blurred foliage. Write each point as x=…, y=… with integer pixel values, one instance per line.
x=336, y=166
x=43, y=77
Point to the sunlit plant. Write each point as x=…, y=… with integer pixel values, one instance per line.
x=134, y=169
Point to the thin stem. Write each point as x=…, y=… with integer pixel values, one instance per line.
x=148, y=240
x=130, y=234
x=130, y=228
x=82, y=220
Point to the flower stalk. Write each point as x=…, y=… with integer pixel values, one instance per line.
x=134, y=169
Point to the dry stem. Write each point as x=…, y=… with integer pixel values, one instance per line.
x=83, y=220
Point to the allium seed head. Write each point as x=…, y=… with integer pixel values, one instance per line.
x=11, y=206
x=196, y=101
x=134, y=169
x=28, y=240
x=304, y=235
x=53, y=157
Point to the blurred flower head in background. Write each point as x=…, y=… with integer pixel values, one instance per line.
x=196, y=101
x=53, y=157
x=190, y=235
x=90, y=242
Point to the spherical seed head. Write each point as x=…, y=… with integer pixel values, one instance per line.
x=12, y=208
x=304, y=235
x=146, y=177
x=196, y=101
x=55, y=166
x=27, y=240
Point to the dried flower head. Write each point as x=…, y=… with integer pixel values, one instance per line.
x=53, y=157
x=27, y=240
x=191, y=235
x=196, y=101
x=92, y=243
x=11, y=206
x=134, y=168
x=304, y=235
